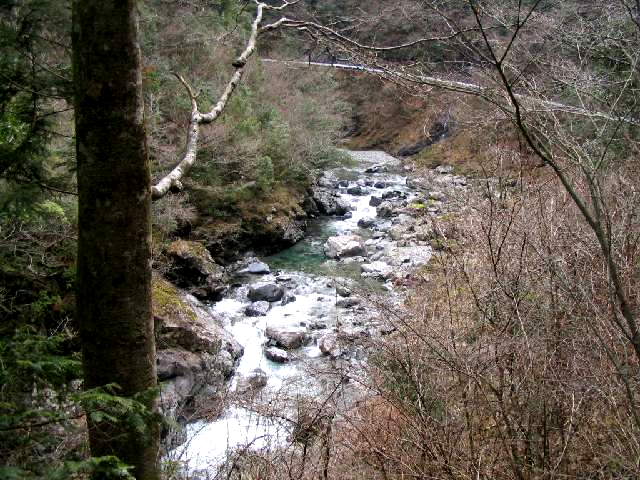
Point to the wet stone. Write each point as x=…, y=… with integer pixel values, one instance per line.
x=287, y=298
x=366, y=222
x=277, y=355
x=258, y=268
x=288, y=338
x=347, y=302
x=269, y=292
x=375, y=201
x=256, y=380
x=257, y=309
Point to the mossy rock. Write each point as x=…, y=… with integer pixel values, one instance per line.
x=167, y=302
x=185, y=248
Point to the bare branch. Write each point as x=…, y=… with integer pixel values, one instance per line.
x=532, y=104
x=173, y=178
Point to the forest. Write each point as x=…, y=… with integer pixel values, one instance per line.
x=319, y=239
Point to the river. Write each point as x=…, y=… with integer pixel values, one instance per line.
x=306, y=273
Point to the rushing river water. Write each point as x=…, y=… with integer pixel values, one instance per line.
x=308, y=274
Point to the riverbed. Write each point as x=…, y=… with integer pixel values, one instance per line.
x=328, y=300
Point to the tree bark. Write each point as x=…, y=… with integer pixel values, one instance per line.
x=114, y=240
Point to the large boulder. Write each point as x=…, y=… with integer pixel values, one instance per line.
x=287, y=299
x=329, y=202
x=288, y=338
x=342, y=246
x=268, y=292
x=192, y=268
x=186, y=324
x=195, y=356
x=444, y=169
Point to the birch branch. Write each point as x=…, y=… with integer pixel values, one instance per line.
x=173, y=178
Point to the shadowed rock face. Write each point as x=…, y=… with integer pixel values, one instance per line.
x=191, y=267
x=195, y=355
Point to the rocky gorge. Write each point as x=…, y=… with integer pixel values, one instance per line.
x=253, y=327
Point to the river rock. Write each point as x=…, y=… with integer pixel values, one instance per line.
x=343, y=291
x=375, y=201
x=376, y=269
x=348, y=302
x=268, y=292
x=326, y=182
x=187, y=324
x=409, y=256
x=385, y=210
x=317, y=325
x=328, y=345
x=342, y=246
x=418, y=183
x=256, y=380
x=288, y=338
x=393, y=194
x=366, y=222
x=460, y=181
x=356, y=190
x=257, y=309
x=424, y=233
x=258, y=268
x=444, y=169
x=329, y=202
x=287, y=298
x=191, y=267
x=353, y=333
x=436, y=196
x=172, y=363
x=191, y=382
x=277, y=355
x=380, y=185
x=376, y=169
x=399, y=232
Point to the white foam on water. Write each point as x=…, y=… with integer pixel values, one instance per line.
x=210, y=442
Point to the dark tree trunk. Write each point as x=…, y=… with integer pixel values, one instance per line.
x=114, y=245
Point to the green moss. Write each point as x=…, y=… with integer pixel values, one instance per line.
x=167, y=302
x=184, y=248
